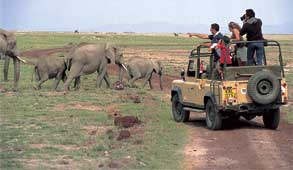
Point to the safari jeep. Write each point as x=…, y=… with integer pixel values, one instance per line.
x=246, y=91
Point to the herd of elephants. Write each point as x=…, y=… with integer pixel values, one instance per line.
x=81, y=59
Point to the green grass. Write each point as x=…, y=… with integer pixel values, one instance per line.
x=49, y=40
x=29, y=118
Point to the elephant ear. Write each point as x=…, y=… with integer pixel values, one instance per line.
x=110, y=53
x=11, y=44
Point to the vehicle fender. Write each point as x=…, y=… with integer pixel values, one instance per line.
x=211, y=96
x=177, y=90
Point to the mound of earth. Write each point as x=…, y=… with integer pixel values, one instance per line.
x=126, y=121
x=123, y=134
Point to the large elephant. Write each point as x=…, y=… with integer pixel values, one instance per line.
x=8, y=48
x=86, y=59
x=140, y=67
x=48, y=68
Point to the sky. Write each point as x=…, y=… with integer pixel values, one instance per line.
x=140, y=15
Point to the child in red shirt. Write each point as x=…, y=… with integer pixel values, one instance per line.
x=201, y=68
x=225, y=55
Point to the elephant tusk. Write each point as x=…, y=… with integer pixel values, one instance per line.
x=22, y=60
x=124, y=67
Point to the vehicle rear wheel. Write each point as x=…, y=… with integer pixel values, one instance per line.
x=263, y=87
x=179, y=114
x=213, y=117
x=271, y=119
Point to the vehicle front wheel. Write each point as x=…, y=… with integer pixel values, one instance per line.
x=271, y=119
x=213, y=117
x=179, y=114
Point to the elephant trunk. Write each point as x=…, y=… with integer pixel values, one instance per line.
x=121, y=66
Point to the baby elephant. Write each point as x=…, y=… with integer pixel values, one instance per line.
x=50, y=67
x=139, y=67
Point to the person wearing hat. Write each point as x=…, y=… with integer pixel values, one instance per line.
x=223, y=45
x=252, y=27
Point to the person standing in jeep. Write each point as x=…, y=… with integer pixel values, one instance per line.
x=215, y=36
x=252, y=28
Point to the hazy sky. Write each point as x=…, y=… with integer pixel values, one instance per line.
x=88, y=15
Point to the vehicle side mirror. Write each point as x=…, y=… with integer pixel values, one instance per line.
x=182, y=74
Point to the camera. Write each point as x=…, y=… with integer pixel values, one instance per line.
x=242, y=17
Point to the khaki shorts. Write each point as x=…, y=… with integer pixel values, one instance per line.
x=242, y=54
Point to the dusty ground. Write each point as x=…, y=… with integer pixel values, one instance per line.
x=241, y=145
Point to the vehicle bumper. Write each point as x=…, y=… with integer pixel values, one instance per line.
x=251, y=107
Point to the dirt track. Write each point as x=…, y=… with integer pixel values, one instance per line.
x=241, y=145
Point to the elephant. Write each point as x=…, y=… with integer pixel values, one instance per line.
x=86, y=59
x=140, y=67
x=8, y=48
x=48, y=68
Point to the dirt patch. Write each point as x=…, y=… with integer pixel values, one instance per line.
x=130, y=97
x=95, y=130
x=123, y=134
x=77, y=105
x=64, y=147
x=113, y=164
x=45, y=52
x=113, y=111
x=126, y=121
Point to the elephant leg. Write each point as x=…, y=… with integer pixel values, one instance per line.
x=37, y=74
x=77, y=83
x=6, y=67
x=150, y=83
x=39, y=83
x=16, y=63
x=74, y=72
x=107, y=79
x=133, y=79
x=57, y=80
x=101, y=75
x=147, y=79
x=64, y=77
x=134, y=75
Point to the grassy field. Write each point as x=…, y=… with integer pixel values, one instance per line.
x=49, y=130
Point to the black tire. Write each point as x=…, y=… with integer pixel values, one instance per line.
x=263, y=87
x=179, y=114
x=271, y=119
x=213, y=116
